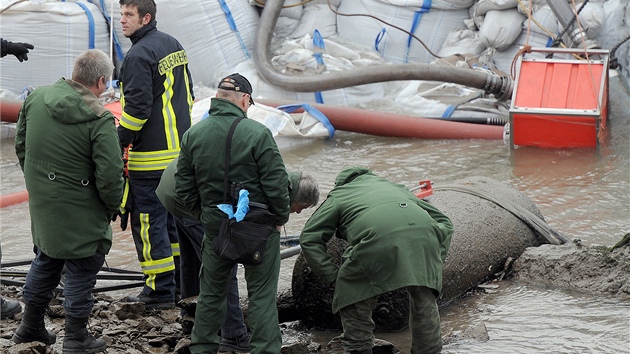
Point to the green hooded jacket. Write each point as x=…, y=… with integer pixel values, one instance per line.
x=255, y=161
x=395, y=239
x=69, y=151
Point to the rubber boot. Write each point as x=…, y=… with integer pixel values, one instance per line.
x=32, y=327
x=9, y=308
x=78, y=340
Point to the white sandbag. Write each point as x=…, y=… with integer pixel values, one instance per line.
x=110, y=9
x=483, y=6
x=475, y=21
x=349, y=96
x=203, y=29
x=288, y=19
x=285, y=26
x=461, y=41
x=436, y=4
x=292, y=9
x=500, y=28
x=395, y=46
x=616, y=29
x=592, y=18
x=317, y=15
x=503, y=59
x=543, y=21
x=280, y=123
x=434, y=99
x=60, y=31
x=211, y=37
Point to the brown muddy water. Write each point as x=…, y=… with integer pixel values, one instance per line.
x=583, y=193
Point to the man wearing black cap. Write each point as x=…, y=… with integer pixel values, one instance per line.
x=255, y=161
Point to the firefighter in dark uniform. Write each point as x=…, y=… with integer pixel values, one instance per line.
x=156, y=98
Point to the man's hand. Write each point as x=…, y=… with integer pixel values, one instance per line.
x=124, y=219
x=20, y=50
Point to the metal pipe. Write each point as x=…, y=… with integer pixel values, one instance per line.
x=290, y=252
x=565, y=15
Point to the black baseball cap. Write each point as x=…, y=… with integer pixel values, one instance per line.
x=239, y=84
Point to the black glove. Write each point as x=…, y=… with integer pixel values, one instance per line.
x=124, y=219
x=19, y=50
x=125, y=207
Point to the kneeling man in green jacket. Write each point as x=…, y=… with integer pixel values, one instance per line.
x=395, y=240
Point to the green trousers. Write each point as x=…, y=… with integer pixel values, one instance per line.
x=262, y=289
x=424, y=321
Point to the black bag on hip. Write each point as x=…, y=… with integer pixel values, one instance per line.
x=245, y=241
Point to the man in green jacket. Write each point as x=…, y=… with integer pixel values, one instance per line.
x=395, y=240
x=257, y=164
x=303, y=193
x=69, y=151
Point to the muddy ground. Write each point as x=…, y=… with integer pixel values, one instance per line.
x=128, y=328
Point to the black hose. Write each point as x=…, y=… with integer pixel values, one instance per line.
x=614, y=63
x=478, y=120
x=558, y=40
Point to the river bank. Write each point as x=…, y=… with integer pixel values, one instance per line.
x=128, y=328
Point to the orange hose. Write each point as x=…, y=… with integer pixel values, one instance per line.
x=9, y=110
x=398, y=125
x=13, y=198
x=354, y=120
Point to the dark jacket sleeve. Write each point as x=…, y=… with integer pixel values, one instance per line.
x=3, y=47
x=20, y=136
x=137, y=90
x=319, y=229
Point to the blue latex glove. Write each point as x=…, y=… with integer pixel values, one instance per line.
x=227, y=208
x=242, y=206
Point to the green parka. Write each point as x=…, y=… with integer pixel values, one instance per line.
x=395, y=239
x=255, y=161
x=69, y=151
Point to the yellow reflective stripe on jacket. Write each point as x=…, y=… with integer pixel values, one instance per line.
x=158, y=266
x=126, y=120
x=125, y=196
x=130, y=122
x=175, y=249
x=168, y=113
x=188, y=94
x=150, y=160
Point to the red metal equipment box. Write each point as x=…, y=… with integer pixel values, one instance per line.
x=560, y=102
